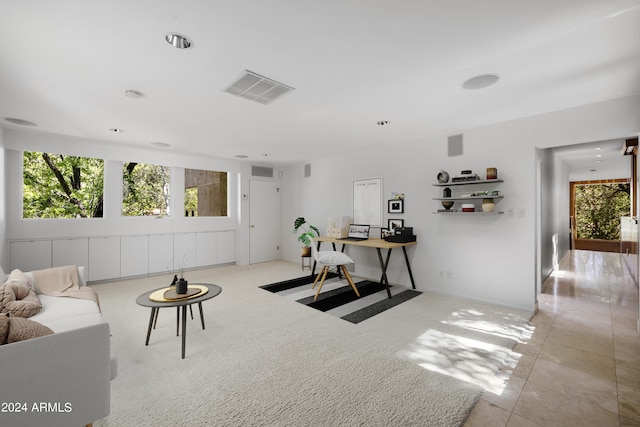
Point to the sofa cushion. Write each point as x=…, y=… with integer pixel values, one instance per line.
x=4, y=328
x=21, y=329
x=17, y=296
x=64, y=314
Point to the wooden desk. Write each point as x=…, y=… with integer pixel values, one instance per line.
x=378, y=244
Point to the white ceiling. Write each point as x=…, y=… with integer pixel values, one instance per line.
x=65, y=65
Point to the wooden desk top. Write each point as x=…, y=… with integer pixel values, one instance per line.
x=369, y=243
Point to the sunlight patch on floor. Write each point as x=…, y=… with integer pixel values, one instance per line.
x=463, y=358
x=506, y=326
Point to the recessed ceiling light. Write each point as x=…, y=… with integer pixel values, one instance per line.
x=19, y=121
x=130, y=93
x=266, y=155
x=116, y=130
x=241, y=156
x=178, y=41
x=383, y=122
x=480, y=82
x=160, y=144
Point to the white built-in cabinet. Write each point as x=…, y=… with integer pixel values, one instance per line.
x=126, y=256
x=104, y=258
x=161, y=253
x=33, y=254
x=206, y=248
x=70, y=252
x=225, y=247
x=134, y=255
x=184, y=251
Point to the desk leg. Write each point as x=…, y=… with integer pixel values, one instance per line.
x=178, y=321
x=154, y=311
x=155, y=321
x=406, y=259
x=201, y=315
x=383, y=266
x=184, y=329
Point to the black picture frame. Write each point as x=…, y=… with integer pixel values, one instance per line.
x=395, y=206
x=395, y=223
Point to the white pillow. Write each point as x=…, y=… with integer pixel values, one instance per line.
x=334, y=258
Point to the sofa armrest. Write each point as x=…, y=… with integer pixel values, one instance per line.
x=56, y=380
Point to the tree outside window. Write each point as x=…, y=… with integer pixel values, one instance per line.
x=598, y=210
x=145, y=189
x=61, y=186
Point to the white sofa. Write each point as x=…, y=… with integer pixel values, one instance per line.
x=61, y=379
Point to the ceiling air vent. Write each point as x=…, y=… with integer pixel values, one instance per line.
x=262, y=171
x=257, y=88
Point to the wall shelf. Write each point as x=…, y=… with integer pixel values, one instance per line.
x=479, y=181
x=476, y=200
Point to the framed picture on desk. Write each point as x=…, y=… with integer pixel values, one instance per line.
x=395, y=223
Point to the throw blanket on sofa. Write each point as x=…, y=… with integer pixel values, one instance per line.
x=63, y=282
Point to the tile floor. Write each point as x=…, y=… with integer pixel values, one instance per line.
x=581, y=367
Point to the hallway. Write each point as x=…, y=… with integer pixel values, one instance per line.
x=582, y=364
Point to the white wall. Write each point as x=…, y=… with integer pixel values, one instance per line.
x=489, y=257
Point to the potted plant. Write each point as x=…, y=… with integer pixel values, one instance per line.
x=307, y=232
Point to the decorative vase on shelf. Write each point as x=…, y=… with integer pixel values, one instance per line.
x=443, y=177
x=181, y=286
x=446, y=192
x=488, y=205
x=447, y=204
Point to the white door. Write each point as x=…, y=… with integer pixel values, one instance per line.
x=263, y=221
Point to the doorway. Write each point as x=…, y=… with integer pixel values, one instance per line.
x=263, y=221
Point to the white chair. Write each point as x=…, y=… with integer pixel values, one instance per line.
x=331, y=259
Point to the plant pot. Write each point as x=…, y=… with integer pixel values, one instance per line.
x=181, y=286
x=305, y=251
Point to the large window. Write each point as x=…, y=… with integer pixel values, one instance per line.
x=598, y=208
x=205, y=193
x=145, y=189
x=61, y=186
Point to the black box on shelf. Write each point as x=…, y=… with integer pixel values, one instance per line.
x=399, y=238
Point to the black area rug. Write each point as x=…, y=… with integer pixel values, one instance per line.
x=338, y=299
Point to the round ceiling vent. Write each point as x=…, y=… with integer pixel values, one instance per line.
x=481, y=81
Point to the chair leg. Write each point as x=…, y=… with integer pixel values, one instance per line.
x=318, y=277
x=350, y=280
x=324, y=275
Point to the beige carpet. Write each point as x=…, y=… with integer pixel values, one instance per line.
x=264, y=360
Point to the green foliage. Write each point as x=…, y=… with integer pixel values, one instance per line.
x=191, y=201
x=308, y=231
x=599, y=208
x=57, y=186
x=145, y=189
